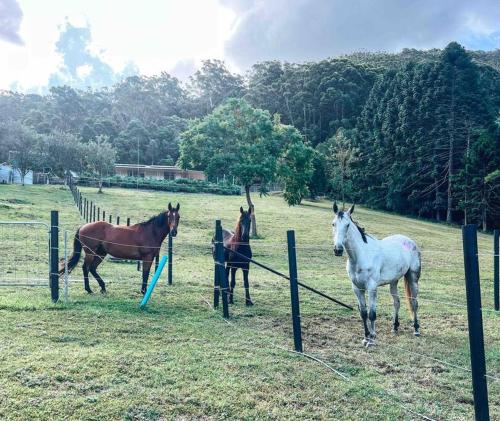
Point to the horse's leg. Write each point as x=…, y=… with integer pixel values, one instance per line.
x=85, y=268
x=93, y=270
x=146, y=266
x=248, y=300
x=372, y=313
x=395, y=299
x=412, y=279
x=233, y=282
x=360, y=295
x=157, y=260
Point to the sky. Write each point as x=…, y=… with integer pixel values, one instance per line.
x=98, y=42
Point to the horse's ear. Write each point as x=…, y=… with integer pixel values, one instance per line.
x=249, y=210
x=178, y=206
x=335, y=208
x=351, y=209
x=170, y=206
x=241, y=209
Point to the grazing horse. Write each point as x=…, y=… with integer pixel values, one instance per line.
x=138, y=242
x=238, y=241
x=374, y=262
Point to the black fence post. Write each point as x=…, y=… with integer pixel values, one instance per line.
x=86, y=210
x=475, y=319
x=117, y=220
x=80, y=204
x=294, y=290
x=496, y=275
x=93, y=213
x=170, y=257
x=222, y=281
x=110, y=218
x=98, y=213
x=54, y=255
x=103, y=215
x=90, y=211
x=128, y=222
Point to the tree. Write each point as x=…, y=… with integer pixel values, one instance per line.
x=235, y=140
x=214, y=83
x=100, y=157
x=295, y=167
x=61, y=152
x=22, y=144
x=341, y=155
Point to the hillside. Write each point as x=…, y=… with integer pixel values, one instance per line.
x=99, y=356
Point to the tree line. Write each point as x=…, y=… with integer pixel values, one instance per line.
x=415, y=132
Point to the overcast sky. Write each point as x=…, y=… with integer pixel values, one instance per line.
x=95, y=42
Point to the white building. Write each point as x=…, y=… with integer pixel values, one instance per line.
x=10, y=175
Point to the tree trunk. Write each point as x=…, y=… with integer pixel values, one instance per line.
x=253, y=228
x=451, y=151
x=100, y=186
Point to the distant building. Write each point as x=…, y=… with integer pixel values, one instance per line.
x=10, y=175
x=158, y=172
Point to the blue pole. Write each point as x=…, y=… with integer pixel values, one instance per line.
x=153, y=281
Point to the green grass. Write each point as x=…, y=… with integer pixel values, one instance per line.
x=99, y=356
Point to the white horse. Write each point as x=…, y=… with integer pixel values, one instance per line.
x=374, y=262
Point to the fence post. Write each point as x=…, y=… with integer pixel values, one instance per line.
x=117, y=220
x=294, y=290
x=93, y=214
x=66, y=274
x=54, y=255
x=98, y=213
x=170, y=259
x=110, y=218
x=496, y=275
x=103, y=215
x=128, y=222
x=90, y=210
x=475, y=319
x=85, y=209
x=222, y=282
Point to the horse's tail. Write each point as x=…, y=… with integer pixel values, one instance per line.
x=75, y=257
x=408, y=294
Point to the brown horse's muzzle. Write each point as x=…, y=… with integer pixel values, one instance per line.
x=173, y=232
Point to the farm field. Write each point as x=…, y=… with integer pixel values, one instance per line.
x=98, y=356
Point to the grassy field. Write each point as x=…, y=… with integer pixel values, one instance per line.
x=100, y=357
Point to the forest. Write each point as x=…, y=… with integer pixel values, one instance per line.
x=417, y=132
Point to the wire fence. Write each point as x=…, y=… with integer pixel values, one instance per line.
x=317, y=317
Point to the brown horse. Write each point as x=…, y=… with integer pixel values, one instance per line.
x=238, y=241
x=138, y=242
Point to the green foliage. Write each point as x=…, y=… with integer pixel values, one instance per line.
x=295, y=167
x=235, y=140
x=100, y=157
x=179, y=185
x=340, y=158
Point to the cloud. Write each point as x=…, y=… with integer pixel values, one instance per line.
x=11, y=16
x=300, y=30
x=80, y=67
x=183, y=69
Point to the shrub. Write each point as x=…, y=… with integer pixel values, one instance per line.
x=183, y=185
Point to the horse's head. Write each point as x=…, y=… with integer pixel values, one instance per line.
x=173, y=218
x=340, y=225
x=244, y=224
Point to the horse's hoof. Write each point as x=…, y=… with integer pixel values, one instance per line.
x=103, y=291
x=89, y=291
x=365, y=341
x=395, y=331
x=249, y=303
x=417, y=334
x=143, y=291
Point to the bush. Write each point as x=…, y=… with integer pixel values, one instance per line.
x=183, y=185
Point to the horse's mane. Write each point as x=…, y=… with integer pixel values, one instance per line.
x=237, y=230
x=361, y=231
x=159, y=220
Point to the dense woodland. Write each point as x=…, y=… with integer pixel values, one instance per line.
x=416, y=132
